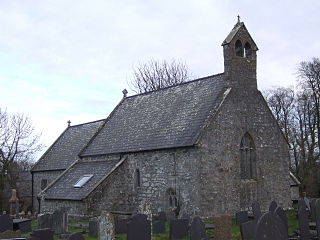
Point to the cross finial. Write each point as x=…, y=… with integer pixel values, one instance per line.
x=238, y=18
x=69, y=123
x=125, y=92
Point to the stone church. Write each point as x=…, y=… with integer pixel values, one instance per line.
x=208, y=146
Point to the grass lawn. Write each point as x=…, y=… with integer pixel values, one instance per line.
x=291, y=214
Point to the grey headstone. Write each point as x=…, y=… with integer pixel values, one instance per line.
x=270, y=227
x=318, y=217
x=301, y=203
x=162, y=216
x=306, y=200
x=303, y=224
x=121, y=225
x=139, y=228
x=283, y=216
x=43, y=234
x=45, y=221
x=76, y=236
x=6, y=223
x=106, y=226
x=197, y=229
x=313, y=209
x=60, y=221
x=242, y=217
x=158, y=227
x=273, y=206
x=247, y=230
x=93, y=228
x=256, y=210
x=179, y=228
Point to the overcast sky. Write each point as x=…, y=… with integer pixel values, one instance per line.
x=67, y=59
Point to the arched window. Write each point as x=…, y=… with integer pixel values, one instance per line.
x=247, y=157
x=137, y=181
x=247, y=50
x=238, y=48
x=172, y=198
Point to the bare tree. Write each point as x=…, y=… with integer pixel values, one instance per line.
x=18, y=143
x=155, y=75
x=309, y=76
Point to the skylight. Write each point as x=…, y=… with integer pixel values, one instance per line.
x=83, y=180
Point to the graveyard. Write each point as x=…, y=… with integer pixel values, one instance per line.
x=301, y=222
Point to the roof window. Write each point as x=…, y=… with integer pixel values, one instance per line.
x=83, y=180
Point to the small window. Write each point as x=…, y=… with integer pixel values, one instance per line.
x=238, y=48
x=83, y=180
x=247, y=50
x=44, y=183
x=171, y=194
x=247, y=157
x=137, y=178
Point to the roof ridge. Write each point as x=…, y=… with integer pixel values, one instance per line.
x=77, y=125
x=176, y=85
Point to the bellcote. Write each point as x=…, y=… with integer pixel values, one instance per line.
x=240, y=58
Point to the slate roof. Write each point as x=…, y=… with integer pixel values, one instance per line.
x=65, y=150
x=63, y=187
x=167, y=118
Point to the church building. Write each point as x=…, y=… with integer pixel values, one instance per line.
x=205, y=147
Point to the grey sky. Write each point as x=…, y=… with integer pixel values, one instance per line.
x=63, y=59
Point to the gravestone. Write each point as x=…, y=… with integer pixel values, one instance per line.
x=318, y=217
x=93, y=228
x=6, y=223
x=283, y=216
x=273, y=206
x=44, y=220
x=33, y=238
x=301, y=203
x=158, y=227
x=43, y=234
x=139, y=228
x=256, y=210
x=242, y=217
x=76, y=236
x=313, y=209
x=121, y=225
x=8, y=234
x=306, y=200
x=197, y=229
x=162, y=216
x=60, y=221
x=270, y=227
x=106, y=226
x=303, y=224
x=222, y=227
x=247, y=230
x=179, y=228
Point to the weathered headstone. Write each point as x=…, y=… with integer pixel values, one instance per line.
x=93, y=228
x=43, y=234
x=44, y=221
x=272, y=207
x=247, y=230
x=60, y=221
x=313, y=209
x=6, y=223
x=301, y=203
x=139, y=228
x=256, y=210
x=283, y=216
x=318, y=217
x=197, y=229
x=158, y=227
x=222, y=227
x=106, y=226
x=270, y=227
x=306, y=200
x=22, y=224
x=8, y=234
x=242, y=217
x=162, y=216
x=14, y=203
x=76, y=236
x=303, y=224
x=121, y=225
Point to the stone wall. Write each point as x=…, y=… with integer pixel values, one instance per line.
x=222, y=189
x=37, y=177
x=74, y=208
